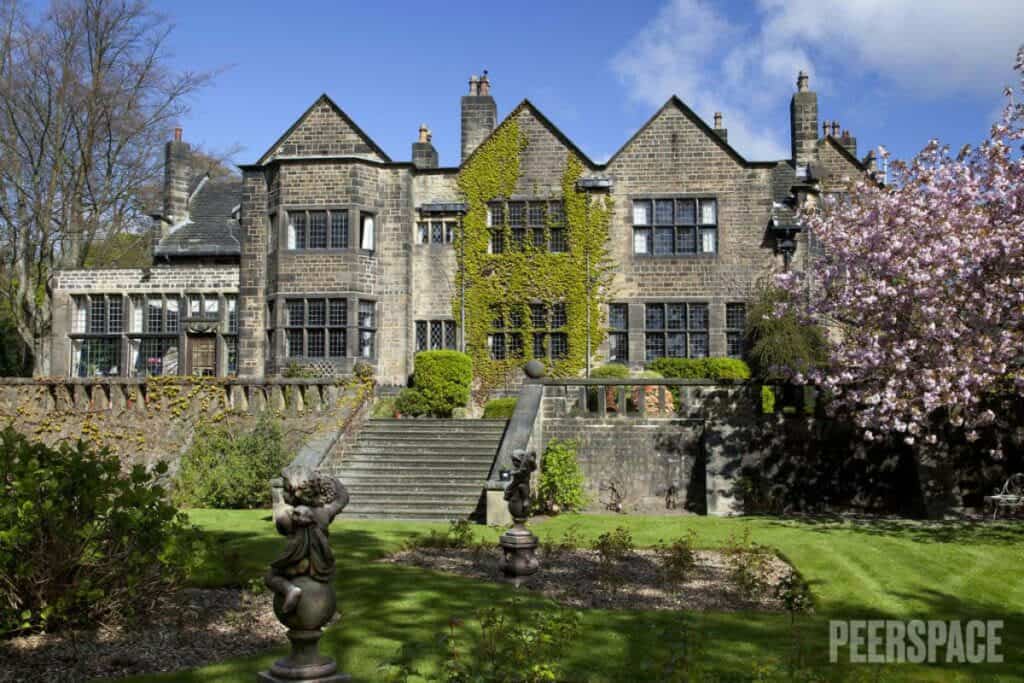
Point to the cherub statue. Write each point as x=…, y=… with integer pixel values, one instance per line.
x=310, y=502
x=518, y=491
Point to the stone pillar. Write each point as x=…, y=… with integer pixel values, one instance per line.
x=252, y=285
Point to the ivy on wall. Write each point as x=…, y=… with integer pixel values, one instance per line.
x=507, y=283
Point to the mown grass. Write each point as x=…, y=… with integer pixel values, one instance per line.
x=856, y=570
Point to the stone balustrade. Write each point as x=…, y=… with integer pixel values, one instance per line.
x=621, y=398
x=179, y=394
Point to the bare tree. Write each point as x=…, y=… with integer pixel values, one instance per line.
x=86, y=98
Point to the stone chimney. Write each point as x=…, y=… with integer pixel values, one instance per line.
x=719, y=130
x=849, y=142
x=803, y=122
x=479, y=114
x=423, y=153
x=177, y=175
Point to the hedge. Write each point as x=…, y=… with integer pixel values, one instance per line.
x=440, y=384
x=499, y=408
x=701, y=368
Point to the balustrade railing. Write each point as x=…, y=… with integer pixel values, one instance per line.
x=193, y=394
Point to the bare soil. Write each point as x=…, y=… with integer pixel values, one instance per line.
x=575, y=578
x=195, y=628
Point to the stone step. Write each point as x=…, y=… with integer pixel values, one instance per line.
x=466, y=440
x=404, y=468
x=421, y=459
x=425, y=504
x=394, y=512
x=435, y=421
x=454, y=478
x=400, y=490
x=411, y=426
x=431, y=446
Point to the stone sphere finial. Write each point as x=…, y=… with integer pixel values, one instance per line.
x=534, y=369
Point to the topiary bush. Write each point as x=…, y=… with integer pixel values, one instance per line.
x=500, y=408
x=560, y=487
x=443, y=379
x=81, y=541
x=226, y=469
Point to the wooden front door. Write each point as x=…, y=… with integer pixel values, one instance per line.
x=202, y=355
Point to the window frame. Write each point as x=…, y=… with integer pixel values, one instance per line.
x=685, y=330
x=290, y=242
x=621, y=334
x=734, y=334
x=654, y=225
x=326, y=329
x=424, y=335
x=545, y=232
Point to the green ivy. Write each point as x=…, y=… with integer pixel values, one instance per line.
x=500, y=283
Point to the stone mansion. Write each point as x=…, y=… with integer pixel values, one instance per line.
x=326, y=251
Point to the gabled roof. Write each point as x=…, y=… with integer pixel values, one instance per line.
x=324, y=98
x=674, y=101
x=527, y=105
x=212, y=228
x=845, y=153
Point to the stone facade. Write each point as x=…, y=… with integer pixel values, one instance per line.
x=343, y=255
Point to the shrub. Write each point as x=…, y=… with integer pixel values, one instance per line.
x=748, y=564
x=560, y=487
x=81, y=541
x=500, y=408
x=459, y=536
x=384, y=407
x=510, y=643
x=610, y=371
x=781, y=343
x=363, y=371
x=612, y=548
x=443, y=378
x=411, y=402
x=677, y=559
x=226, y=469
x=701, y=368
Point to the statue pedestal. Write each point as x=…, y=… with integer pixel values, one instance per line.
x=519, y=547
x=305, y=664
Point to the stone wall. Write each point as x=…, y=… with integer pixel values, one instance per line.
x=149, y=421
x=653, y=462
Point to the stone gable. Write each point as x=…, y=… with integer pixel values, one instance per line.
x=325, y=130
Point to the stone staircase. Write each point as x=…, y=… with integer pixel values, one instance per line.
x=418, y=468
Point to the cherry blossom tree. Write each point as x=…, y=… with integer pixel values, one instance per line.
x=921, y=282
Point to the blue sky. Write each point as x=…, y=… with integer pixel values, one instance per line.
x=892, y=72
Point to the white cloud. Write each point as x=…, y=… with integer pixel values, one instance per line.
x=934, y=48
x=926, y=49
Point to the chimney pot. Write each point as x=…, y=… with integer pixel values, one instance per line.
x=718, y=119
x=835, y=129
x=474, y=85
x=177, y=134
x=825, y=126
x=485, y=85
x=424, y=133
x=801, y=81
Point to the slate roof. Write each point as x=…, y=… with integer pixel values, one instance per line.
x=212, y=229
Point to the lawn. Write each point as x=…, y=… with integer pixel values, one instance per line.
x=862, y=570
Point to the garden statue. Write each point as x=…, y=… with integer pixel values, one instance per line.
x=518, y=543
x=301, y=578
